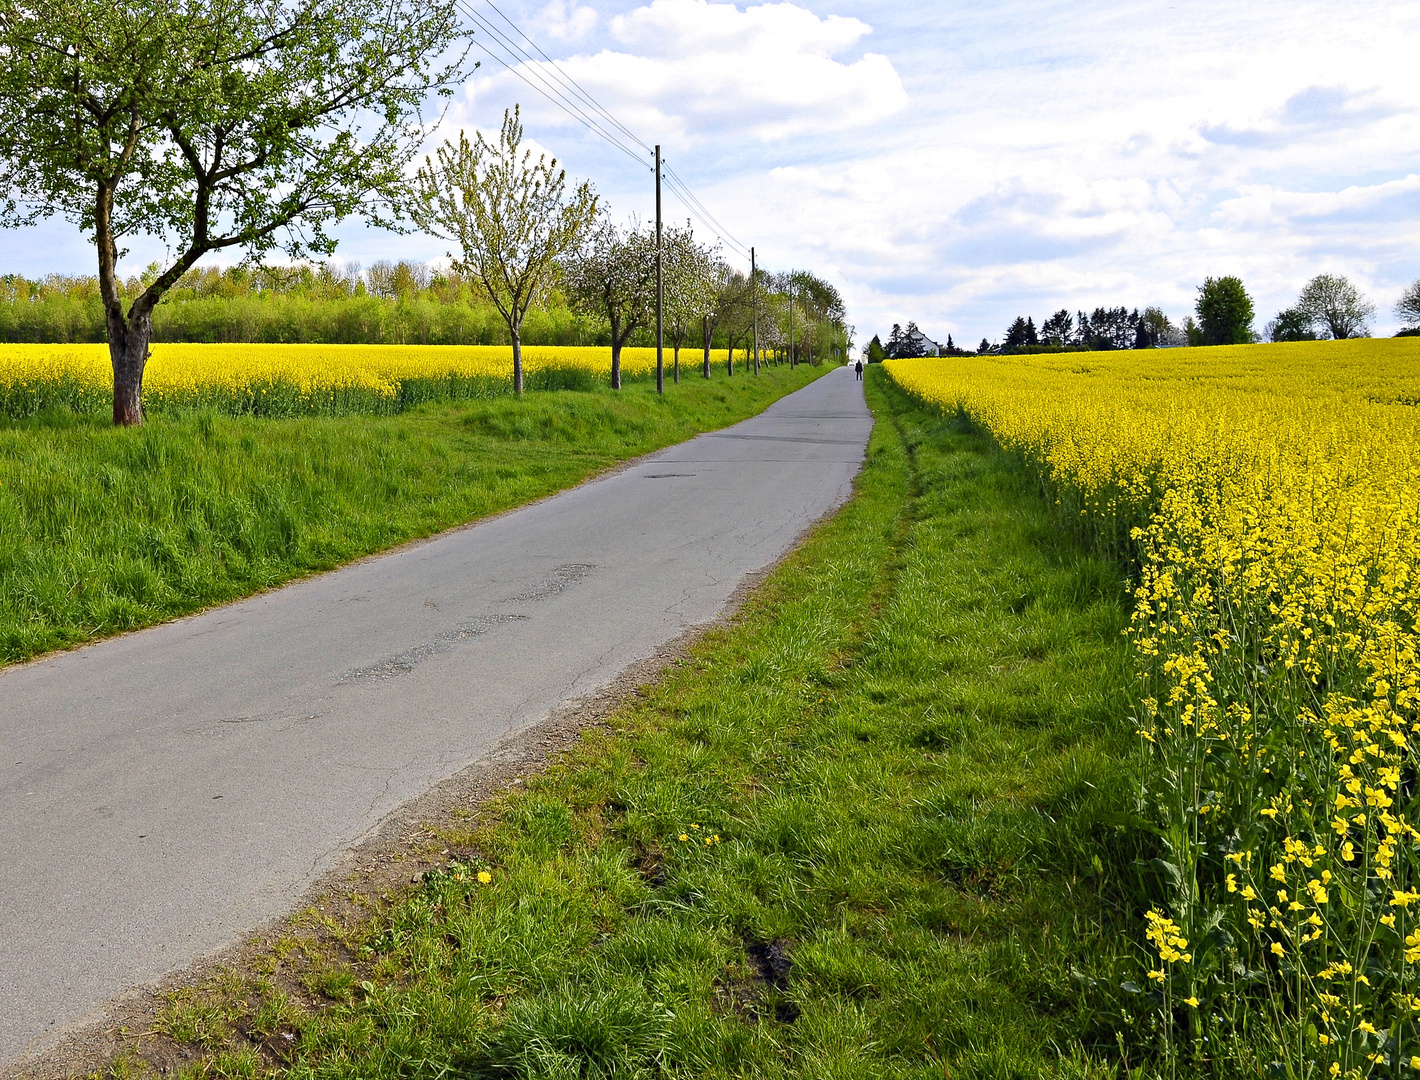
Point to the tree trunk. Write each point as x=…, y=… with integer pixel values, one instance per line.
x=676, y=362
x=793, y=356
x=730, y=356
x=616, y=342
x=517, y=360
x=128, y=336
x=128, y=349
x=706, y=368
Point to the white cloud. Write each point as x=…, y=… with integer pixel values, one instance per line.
x=565, y=22
x=1264, y=205
x=689, y=70
x=681, y=28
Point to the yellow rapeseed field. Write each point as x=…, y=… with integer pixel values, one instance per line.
x=1268, y=498
x=296, y=379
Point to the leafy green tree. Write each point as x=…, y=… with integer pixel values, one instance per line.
x=1084, y=332
x=701, y=284
x=1020, y=333
x=1058, y=329
x=1225, y=312
x=1111, y=328
x=613, y=275
x=1290, y=325
x=513, y=219
x=1333, y=300
x=1156, y=325
x=875, y=351
x=734, y=311
x=211, y=125
x=1407, y=308
x=906, y=344
x=713, y=280
x=682, y=261
x=824, y=329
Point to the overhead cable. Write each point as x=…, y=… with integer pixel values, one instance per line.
x=542, y=86
x=694, y=204
x=552, y=81
x=570, y=82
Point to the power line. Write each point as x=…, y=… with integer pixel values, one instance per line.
x=699, y=210
x=685, y=200
x=572, y=83
x=539, y=72
x=636, y=157
x=560, y=88
x=546, y=89
x=683, y=191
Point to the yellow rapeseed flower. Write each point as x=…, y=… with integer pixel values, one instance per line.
x=288, y=379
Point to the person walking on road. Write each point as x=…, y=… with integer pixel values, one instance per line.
x=858, y=370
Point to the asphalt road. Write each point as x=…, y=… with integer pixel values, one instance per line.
x=164, y=792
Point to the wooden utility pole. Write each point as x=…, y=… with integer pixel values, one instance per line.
x=660, y=288
x=754, y=304
x=791, y=320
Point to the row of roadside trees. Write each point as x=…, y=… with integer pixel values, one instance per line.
x=521, y=233
x=254, y=126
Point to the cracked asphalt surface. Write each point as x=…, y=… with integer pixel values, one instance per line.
x=165, y=792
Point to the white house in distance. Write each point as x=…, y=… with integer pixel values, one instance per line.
x=922, y=344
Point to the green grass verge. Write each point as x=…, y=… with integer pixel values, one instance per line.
x=906, y=756
x=104, y=530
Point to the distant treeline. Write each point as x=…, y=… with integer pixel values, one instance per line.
x=389, y=303
x=1329, y=306
x=1104, y=328
x=403, y=303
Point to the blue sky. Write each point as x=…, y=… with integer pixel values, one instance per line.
x=959, y=165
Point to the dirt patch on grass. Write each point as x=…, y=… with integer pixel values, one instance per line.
x=760, y=991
